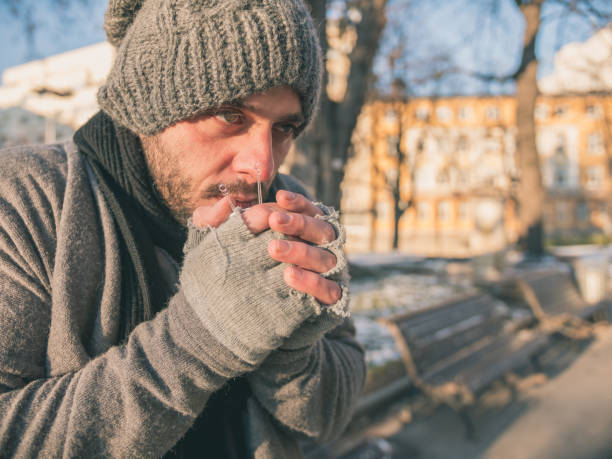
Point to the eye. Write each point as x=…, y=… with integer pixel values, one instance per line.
x=229, y=116
x=287, y=129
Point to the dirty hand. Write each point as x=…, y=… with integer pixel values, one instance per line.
x=295, y=216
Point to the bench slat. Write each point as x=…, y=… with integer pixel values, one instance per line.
x=499, y=356
x=468, y=332
x=430, y=322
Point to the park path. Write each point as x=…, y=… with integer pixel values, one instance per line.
x=570, y=416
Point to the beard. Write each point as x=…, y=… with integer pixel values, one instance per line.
x=180, y=193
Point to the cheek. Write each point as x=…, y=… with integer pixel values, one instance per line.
x=208, y=165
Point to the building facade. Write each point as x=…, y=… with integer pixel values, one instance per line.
x=445, y=169
x=47, y=99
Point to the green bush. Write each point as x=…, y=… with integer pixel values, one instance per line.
x=578, y=239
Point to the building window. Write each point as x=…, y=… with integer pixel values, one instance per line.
x=560, y=177
x=595, y=143
x=444, y=211
x=463, y=212
x=420, y=146
x=582, y=212
x=384, y=210
x=392, y=145
x=391, y=174
x=442, y=178
x=391, y=116
x=594, y=177
x=444, y=145
x=562, y=212
x=561, y=110
x=444, y=113
x=593, y=111
x=492, y=144
x=422, y=113
x=423, y=211
x=541, y=112
x=492, y=113
x=560, y=163
x=462, y=144
x=465, y=113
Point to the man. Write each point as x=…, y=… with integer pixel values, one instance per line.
x=149, y=306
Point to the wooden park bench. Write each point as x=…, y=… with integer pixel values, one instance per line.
x=554, y=300
x=454, y=350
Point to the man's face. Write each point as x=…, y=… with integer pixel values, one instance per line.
x=226, y=146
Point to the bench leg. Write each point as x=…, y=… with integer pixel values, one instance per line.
x=512, y=381
x=600, y=315
x=468, y=422
x=536, y=363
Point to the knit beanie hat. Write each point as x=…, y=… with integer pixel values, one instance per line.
x=178, y=58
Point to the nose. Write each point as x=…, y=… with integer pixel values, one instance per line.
x=256, y=158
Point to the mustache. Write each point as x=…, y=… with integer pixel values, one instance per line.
x=238, y=187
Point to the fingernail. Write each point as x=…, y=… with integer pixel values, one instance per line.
x=297, y=272
x=283, y=219
x=282, y=246
x=289, y=195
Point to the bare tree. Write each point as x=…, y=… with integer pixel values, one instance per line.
x=530, y=189
x=321, y=152
x=400, y=171
x=531, y=192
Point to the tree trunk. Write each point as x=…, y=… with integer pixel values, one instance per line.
x=397, y=209
x=531, y=192
x=399, y=206
x=322, y=151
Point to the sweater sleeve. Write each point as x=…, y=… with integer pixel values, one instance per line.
x=135, y=400
x=314, y=390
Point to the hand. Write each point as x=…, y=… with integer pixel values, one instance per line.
x=294, y=216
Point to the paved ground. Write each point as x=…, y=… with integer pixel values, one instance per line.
x=564, y=412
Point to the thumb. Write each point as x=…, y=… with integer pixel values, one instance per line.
x=212, y=215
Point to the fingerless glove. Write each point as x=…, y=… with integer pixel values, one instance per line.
x=238, y=291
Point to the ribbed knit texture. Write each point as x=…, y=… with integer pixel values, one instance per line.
x=142, y=218
x=179, y=58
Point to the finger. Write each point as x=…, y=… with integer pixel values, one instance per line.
x=302, y=255
x=256, y=217
x=324, y=290
x=304, y=227
x=212, y=215
x=297, y=203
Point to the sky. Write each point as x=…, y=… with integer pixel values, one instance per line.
x=455, y=28
x=473, y=35
x=58, y=30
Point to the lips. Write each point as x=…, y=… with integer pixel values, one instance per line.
x=243, y=201
x=244, y=204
